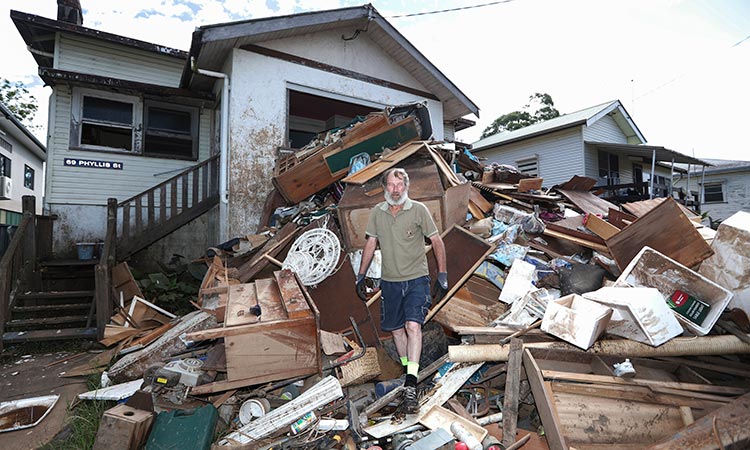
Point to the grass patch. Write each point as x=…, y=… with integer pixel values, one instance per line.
x=82, y=423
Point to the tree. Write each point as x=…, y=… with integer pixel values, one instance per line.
x=544, y=109
x=19, y=101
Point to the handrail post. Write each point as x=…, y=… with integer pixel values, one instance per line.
x=28, y=203
x=103, y=271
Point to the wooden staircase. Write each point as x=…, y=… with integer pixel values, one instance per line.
x=44, y=300
x=61, y=308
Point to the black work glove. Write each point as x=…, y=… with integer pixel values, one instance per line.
x=361, y=288
x=440, y=288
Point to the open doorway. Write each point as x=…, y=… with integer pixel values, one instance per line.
x=311, y=114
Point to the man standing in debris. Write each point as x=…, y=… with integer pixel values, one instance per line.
x=400, y=225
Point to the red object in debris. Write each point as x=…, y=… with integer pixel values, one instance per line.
x=461, y=446
x=493, y=447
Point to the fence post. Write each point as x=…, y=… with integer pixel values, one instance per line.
x=28, y=203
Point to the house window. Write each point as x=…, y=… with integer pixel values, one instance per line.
x=171, y=131
x=28, y=177
x=609, y=168
x=107, y=123
x=529, y=166
x=4, y=166
x=713, y=192
x=6, y=145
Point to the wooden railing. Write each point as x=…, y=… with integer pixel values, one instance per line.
x=153, y=214
x=104, y=297
x=18, y=262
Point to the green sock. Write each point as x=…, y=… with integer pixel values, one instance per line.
x=404, y=360
x=412, y=368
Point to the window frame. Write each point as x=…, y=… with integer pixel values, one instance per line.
x=28, y=169
x=722, y=189
x=194, y=129
x=5, y=166
x=78, y=120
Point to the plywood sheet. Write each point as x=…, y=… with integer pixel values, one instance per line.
x=293, y=300
x=665, y=229
x=384, y=163
x=588, y=202
x=578, y=183
x=640, y=208
x=242, y=297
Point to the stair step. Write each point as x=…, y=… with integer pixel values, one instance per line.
x=69, y=262
x=17, y=337
x=43, y=321
x=48, y=295
x=40, y=308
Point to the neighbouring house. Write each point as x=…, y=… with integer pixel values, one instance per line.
x=22, y=159
x=600, y=142
x=725, y=187
x=186, y=141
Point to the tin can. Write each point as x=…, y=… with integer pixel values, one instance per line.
x=689, y=307
x=303, y=422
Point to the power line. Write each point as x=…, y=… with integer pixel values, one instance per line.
x=450, y=10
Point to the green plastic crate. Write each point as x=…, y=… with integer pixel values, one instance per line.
x=189, y=429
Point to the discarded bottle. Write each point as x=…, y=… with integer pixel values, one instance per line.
x=303, y=422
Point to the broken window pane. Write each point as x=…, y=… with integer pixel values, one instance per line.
x=171, y=132
x=107, y=123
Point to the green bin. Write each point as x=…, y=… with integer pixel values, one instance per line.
x=188, y=429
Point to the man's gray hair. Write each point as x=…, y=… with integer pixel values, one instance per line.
x=398, y=173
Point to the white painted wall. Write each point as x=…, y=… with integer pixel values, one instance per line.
x=604, y=130
x=736, y=192
x=97, y=57
x=20, y=155
x=258, y=120
x=560, y=154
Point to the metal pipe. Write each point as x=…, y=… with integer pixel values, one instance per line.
x=223, y=144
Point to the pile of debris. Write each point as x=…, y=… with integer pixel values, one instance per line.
x=570, y=322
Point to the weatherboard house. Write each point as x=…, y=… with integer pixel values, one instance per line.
x=187, y=141
x=600, y=142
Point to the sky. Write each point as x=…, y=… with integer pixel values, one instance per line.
x=681, y=68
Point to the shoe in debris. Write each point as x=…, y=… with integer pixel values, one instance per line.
x=409, y=401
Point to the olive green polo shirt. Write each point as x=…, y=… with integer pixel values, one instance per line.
x=401, y=239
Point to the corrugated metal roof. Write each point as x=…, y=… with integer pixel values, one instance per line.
x=20, y=132
x=724, y=166
x=558, y=123
x=211, y=44
x=647, y=151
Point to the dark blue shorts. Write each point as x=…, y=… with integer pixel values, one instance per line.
x=403, y=301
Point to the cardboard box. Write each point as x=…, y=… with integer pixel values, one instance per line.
x=576, y=320
x=652, y=269
x=640, y=314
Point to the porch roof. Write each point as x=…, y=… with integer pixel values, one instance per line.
x=647, y=151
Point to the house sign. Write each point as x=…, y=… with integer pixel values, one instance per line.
x=92, y=163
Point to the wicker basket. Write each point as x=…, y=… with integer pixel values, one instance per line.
x=361, y=369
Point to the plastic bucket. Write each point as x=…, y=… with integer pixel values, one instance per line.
x=85, y=250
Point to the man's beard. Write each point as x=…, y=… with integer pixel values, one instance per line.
x=398, y=202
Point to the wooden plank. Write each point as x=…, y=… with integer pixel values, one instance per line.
x=444, y=168
x=241, y=299
x=512, y=394
x=269, y=299
x=529, y=184
x=464, y=310
x=476, y=198
x=123, y=281
x=579, y=183
x=588, y=420
x=273, y=247
x=467, y=251
x=574, y=226
x=588, y=202
x=163, y=204
x=620, y=219
x=221, y=386
x=588, y=378
x=387, y=161
x=125, y=221
x=543, y=398
x=685, y=245
x=639, y=209
x=635, y=393
x=726, y=425
x=275, y=352
x=582, y=242
x=175, y=208
x=599, y=226
x=292, y=299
